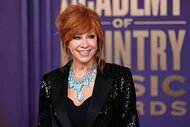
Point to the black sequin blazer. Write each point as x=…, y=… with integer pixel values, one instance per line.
x=113, y=102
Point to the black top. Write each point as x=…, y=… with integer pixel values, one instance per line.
x=77, y=114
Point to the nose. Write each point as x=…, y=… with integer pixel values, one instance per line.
x=84, y=43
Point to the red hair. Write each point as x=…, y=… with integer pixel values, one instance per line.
x=79, y=19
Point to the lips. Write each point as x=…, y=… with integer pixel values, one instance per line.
x=84, y=52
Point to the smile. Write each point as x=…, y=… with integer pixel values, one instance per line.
x=84, y=52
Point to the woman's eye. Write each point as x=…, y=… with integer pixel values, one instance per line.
x=91, y=36
x=76, y=37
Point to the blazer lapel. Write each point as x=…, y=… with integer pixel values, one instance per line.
x=101, y=89
x=59, y=96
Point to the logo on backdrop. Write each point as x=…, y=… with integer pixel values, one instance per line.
x=147, y=36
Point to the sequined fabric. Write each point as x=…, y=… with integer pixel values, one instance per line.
x=117, y=110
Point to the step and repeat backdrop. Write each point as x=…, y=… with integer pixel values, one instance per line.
x=152, y=38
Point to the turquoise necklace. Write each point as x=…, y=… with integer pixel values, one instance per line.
x=78, y=84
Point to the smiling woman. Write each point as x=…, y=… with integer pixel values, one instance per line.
x=87, y=91
x=76, y=21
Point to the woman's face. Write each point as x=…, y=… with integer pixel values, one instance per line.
x=83, y=47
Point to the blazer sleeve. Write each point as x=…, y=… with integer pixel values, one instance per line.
x=128, y=114
x=44, y=116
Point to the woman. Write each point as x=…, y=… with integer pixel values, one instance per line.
x=86, y=92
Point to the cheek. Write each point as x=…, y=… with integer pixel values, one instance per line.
x=71, y=48
x=72, y=45
x=94, y=43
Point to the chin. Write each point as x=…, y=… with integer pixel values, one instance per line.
x=85, y=60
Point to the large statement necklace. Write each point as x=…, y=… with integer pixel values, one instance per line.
x=78, y=84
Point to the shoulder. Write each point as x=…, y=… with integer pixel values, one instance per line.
x=57, y=74
x=52, y=76
x=117, y=70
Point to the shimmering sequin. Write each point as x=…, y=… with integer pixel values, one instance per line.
x=118, y=110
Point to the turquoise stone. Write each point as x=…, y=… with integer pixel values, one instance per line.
x=85, y=83
x=80, y=96
x=78, y=88
x=71, y=84
x=91, y=79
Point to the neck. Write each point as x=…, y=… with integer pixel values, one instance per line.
x=81, y=69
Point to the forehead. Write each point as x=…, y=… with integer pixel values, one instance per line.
x=86, y=33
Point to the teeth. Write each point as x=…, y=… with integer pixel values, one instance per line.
x=85, y=52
